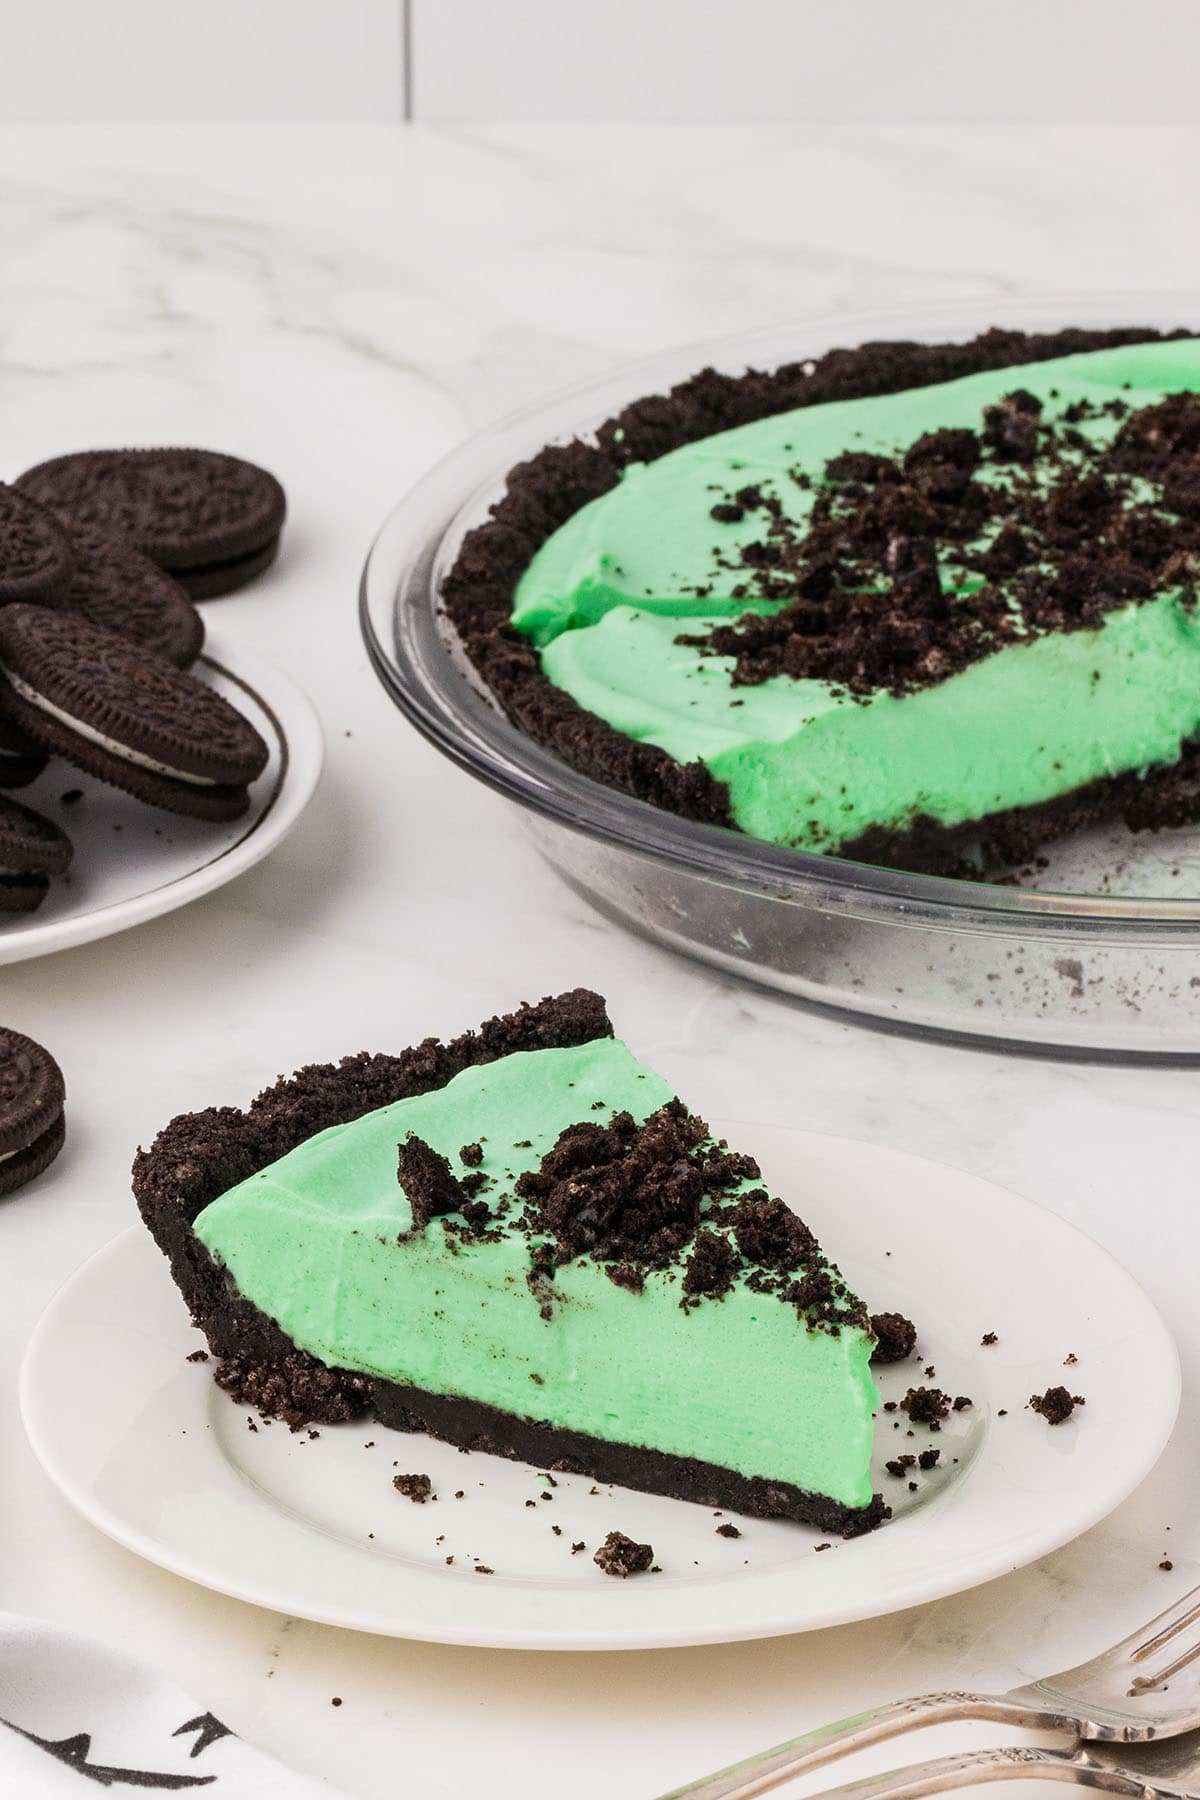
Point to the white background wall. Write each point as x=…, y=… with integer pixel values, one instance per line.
x=78, y=60
x=843, y=61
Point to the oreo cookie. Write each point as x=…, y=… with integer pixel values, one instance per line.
x=35, y=559
x=126, y=715
x=32, y=852
x=21, y=760
x=214, y=579
x=32, y=1097
x=115, y=586
x=212, y=520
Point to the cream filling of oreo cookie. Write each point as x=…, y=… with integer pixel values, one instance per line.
x=93, y=736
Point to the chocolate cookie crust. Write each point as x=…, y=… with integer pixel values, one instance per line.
x=545, y=491
x=200, y=1155
x=1165, y=799
x=477, y=1427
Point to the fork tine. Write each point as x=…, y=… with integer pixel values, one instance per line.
x=1145, y=1684
x=1168, y=1625
x=1175, y=1633
x=1184, y=1658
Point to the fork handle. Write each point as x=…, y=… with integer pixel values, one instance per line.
x=758, y=1774
x=974, y=1767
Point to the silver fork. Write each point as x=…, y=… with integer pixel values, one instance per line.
x=1118, y=1697
x=1157, y=1769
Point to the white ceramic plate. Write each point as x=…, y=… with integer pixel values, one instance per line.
x=148, y=1449
x=133, y=862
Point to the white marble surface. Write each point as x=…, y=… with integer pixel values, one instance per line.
x=345, y=306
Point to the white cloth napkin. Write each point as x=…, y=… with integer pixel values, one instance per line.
x=76, y=1715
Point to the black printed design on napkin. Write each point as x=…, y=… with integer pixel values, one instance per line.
x=74, y=1752
x=208, y=1730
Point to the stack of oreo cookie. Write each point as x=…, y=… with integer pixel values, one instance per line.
x=212, y=521
x=102, y=554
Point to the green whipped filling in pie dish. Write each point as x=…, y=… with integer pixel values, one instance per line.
x=871, y=625
x=544, y=1254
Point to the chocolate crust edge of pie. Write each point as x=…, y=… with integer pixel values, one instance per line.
x=542, y=493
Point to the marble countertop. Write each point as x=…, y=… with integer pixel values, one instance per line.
x=345, y=305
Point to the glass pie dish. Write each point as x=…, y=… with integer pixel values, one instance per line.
x=1098, y=954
